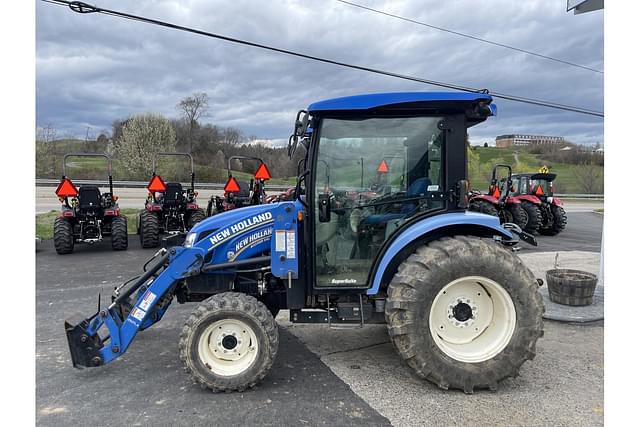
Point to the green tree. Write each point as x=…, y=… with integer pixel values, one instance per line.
x=142, y=136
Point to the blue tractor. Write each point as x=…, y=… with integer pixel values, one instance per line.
x=461, y=309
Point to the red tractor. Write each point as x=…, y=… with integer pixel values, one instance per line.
x=169, y=208
x=544, y=210
x=238, y=194
x=498, y=202
x=87, y=215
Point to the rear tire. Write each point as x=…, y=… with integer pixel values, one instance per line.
x=119, y=237
x=149, y=230
x=229, y=342
x=63, y=236
x=479, y=333
x=559, y=221
x=534, y=217
x=484, y=207
x=195, y=217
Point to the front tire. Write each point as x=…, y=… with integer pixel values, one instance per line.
x=195, y=217
x=559, y=221
x=484, y=207
x=534, y=216
x=229, y=342
x=518, y=215
x=119, y=237
x=63, y=236
x=464, y=313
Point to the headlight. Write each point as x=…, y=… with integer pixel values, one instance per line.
x=549, y=199
x=190, y=240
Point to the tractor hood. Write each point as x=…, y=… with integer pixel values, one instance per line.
x=236, y=221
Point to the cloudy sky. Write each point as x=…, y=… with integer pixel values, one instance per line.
x=92, y=69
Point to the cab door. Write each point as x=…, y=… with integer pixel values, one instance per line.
x=370, y=176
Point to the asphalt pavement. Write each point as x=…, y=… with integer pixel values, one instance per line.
x=320, y=377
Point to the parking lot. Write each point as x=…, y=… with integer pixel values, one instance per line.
x=320, y=377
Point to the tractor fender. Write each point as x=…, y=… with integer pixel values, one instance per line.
x=556, y=202
x=511, y=200
x=529, y=198
x=486, y=197
x=469, y=223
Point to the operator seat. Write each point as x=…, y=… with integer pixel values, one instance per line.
x=89, y=197
x=173, y=194
x=418, y=187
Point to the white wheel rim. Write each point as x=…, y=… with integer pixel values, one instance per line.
x=472, y=319
x=228, y=347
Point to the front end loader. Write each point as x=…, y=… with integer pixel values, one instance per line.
x=461, y=309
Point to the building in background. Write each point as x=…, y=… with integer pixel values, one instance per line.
x=583, y=6
x=503, y=141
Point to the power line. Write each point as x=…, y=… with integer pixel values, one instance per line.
x=81, y=7
x=469, y=36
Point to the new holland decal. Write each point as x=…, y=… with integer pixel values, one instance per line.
x=250, y=241
x=240, y=227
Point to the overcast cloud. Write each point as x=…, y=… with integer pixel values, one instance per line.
x=92, y=69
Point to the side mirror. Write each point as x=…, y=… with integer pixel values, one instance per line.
x=324, y=208
x=462, y=189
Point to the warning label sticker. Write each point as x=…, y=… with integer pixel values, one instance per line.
x=147, y=300
x=291, y=244
x=138, y=314
x=280, y=241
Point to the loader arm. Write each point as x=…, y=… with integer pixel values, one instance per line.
x=89, y=348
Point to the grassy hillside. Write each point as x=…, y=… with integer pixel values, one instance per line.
x=481, y=160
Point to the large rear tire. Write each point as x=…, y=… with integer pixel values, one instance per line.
x=229, y=342
x=149, y=230
x=559, y=221
x=119, y=237
x=195, y=217
x=484, y=207
x=464, y=313
x=63, y=236
x=534, y=216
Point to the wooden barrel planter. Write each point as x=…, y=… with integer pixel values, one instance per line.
x=571, y=287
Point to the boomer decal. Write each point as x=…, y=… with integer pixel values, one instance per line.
x=250, y=242
x=244, y=225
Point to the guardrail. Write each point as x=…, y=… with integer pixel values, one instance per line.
x=46, y=182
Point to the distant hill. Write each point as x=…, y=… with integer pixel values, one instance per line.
x=482, y=159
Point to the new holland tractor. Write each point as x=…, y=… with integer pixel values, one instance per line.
x=498, y=202
x=87, y=215
x=238, y=194
x=536, y=190
x=461, y=309
x=169, y=208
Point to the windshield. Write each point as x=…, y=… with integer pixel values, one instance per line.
x=376, y=174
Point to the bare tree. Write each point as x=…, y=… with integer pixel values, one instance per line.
x=589, y=177
x=192, y=108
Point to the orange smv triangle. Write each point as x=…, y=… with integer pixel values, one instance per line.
x=66, y=189
x=263, y=172
x=156, y=185
x=539, y=191
x=496, y=193
x=383, y=167
x=231, y=186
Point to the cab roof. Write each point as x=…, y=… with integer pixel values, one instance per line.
x=477, y=106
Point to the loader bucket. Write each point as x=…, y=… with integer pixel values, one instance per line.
x=84, y=347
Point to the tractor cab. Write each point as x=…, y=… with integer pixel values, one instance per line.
x=375, y=165
x=536, y=184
